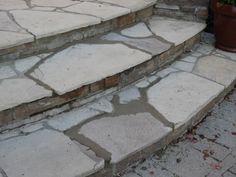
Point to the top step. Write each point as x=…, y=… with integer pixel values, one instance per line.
x=30, y=27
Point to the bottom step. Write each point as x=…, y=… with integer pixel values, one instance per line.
x=104, y=136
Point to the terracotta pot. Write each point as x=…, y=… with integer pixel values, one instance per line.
x=225, y=26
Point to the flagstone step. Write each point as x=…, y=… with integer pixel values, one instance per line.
x=35, y=84
x=34, y=27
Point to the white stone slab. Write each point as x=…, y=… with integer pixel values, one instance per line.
x=53, y=3
x=11, y=39
x=139, y=30
x=102, y=105
x=129, y=95
x=104, y=11
x=12, y=4
x=217, y=69
x=183, y=66
x=6, y=72
x=45, y=153
x=14, y=92
x=180, y=96
x=125, y=135
x=6, y=24
x=151, y=45
x=23, y=65
x=132, y=5
x=175, y=31
x=166, y=71
x=75, y=66
x=44, y=24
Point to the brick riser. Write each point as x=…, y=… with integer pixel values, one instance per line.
x=17, y=115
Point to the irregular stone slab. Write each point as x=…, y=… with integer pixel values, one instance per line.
x=132, y=5
x=102, y=105
x=166, y=71
x=217, y=69
x=79, y=69
x=12, y=4
x=104, y=11
x=53, y=3
x=232, y=56
x=205, y=49
x=45, y=153
x=24, y=65
x=139, y=30
x=14, y=92
x=6, y=72
x=184, y=94
x=151, y=45
x=11, y=39
x=190, y=59
x=183, y=66
x=129, y=95
x=142, y=84
x=6, y=24
x=175, y=31
x=44, y=24
x=124, y=135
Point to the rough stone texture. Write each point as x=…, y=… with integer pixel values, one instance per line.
x=139, y=30
x=78, y=69
x=53, y=3
x=175, y=31
x=151, y=45
x=183, y=66
x=124, y=135
x=6, y=72
x=104, y=11
x=129, y=95
x=52, y=22
x=25, y=64
x=12, y=4
x=193, y=92
x=17, y=91
x=217, y=69
x=26, y=156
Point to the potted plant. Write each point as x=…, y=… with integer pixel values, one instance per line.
x=225, y=24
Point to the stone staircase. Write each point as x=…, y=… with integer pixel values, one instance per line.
x=100, y=85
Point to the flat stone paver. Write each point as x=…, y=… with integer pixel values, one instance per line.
x=217, y=69
x=129, y=95
x=165, y=72
x=183, y=66
x=124, y=135
x=53, y=3
x=184, y=94
x=104, y=11
x=45, y=153
x=7, y=24
x=175, y=31
x=139, y=30
x=44, y=24
x=14, y=92
x=25, y=64
x=151, y=45
x=74, y=67
x=12, y=4
x=6, y=72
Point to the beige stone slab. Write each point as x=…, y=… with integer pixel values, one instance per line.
x=124, y=135
x=180, y=96
x=12, y=4
x=11, y=39
x=175, y=31
x=217, y=69
x=7, y=24
x=45, y=153
x=132, y=5
x=14, y=92
x=53, y=3
x=104, y=11
x=83, y=64
x=44, y=24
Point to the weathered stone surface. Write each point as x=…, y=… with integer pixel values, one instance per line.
x=151, y=45
x=193, y=92
x=129, y=95
x=43, y=24
x=166, y=71
x=124, y=135
x=6, y=72
x=133, y=5
x=175, y=31
x=12, y=4
x=217, y=69
x=104, y=11
x=53, y=3
x=45, y=153
x=11, y=39
x=183, y=66
x=139, y=30
x=25, y=64
x=14, y=92
x=6, y=24
x=78, y=69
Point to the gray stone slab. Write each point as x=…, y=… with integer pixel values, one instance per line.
x=124, y=135
x=129, y=95
x=184, y=94
x=53, y=3
x=151, y=45
x=218, y=69
x=74, y=67
x=175, y=31
x=232, y=56
x=190, y=59
x=7, y=24
x=45, y=153
x=6, y=72
x=183, y=66
x=14, y=92
x=139, y=30
x=25, y=64
x=102, y=105
x=12, y=4
x=165, y=72
x=44, y=24
x=104, y=11
x=205, y=49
